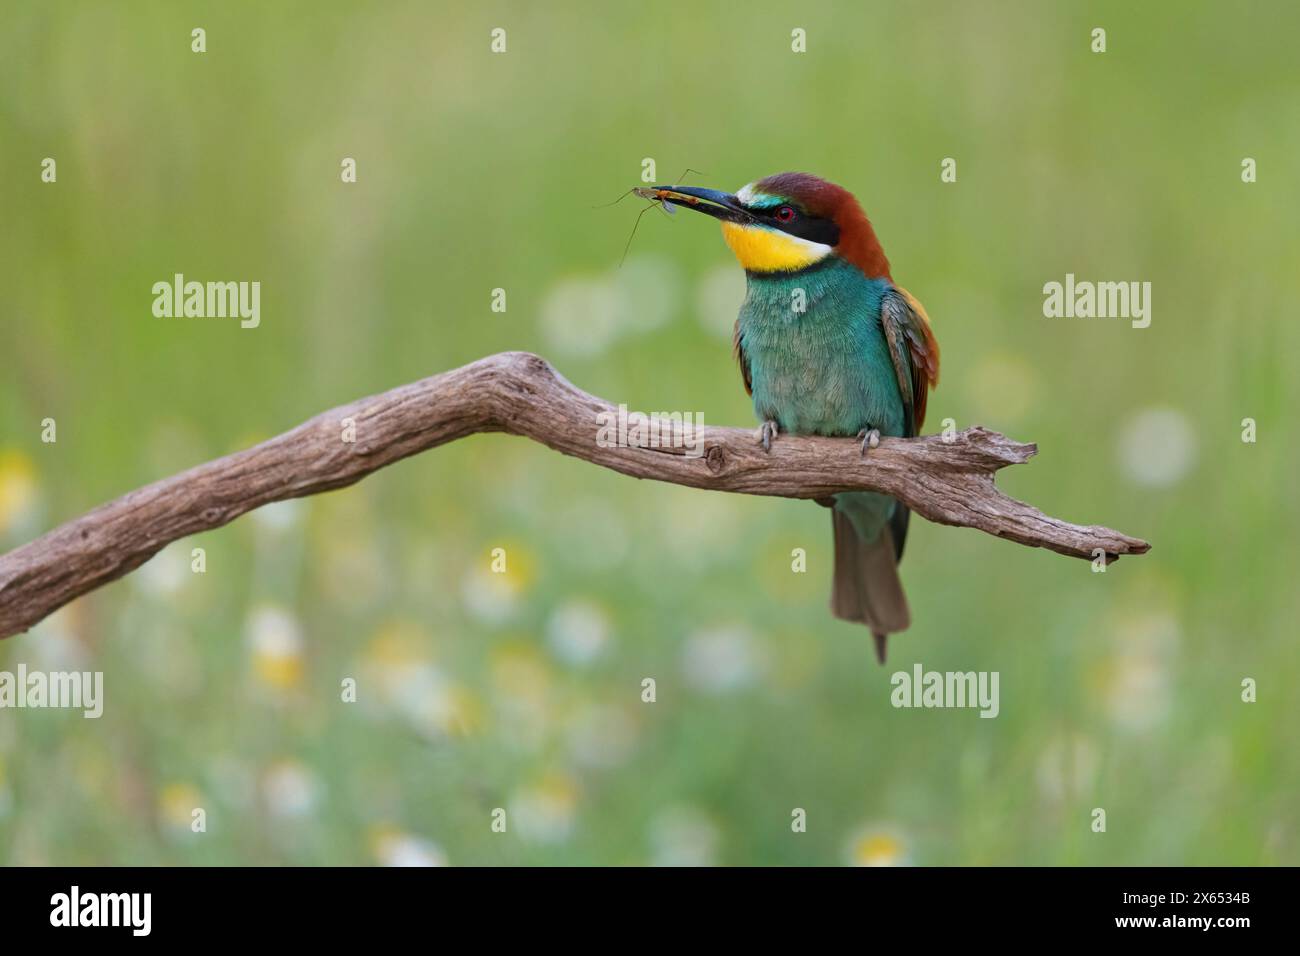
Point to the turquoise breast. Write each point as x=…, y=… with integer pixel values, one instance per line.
x=817, y=354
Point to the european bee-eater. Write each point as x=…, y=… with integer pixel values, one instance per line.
x=828, y=345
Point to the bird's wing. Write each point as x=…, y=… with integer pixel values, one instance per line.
x=738, y=349
x=914, y=351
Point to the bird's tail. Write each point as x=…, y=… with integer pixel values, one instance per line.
x=866, y=588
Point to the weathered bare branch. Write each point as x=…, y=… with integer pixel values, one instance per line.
x=950, y=482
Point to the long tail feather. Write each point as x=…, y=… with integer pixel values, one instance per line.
x=865, y=587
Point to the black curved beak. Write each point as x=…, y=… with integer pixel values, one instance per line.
x=711, y=202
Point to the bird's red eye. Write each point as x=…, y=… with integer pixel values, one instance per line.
x=784, y=214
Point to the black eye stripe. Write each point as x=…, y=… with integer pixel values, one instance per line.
x=812, y=228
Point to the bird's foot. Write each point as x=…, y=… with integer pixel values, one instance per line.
x=767, y=433
x=870, y=439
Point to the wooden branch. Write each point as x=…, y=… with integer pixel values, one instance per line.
x=950, y=482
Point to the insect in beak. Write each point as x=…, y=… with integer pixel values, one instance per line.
x=656, y=195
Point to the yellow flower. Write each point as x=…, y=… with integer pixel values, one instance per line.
x=520, y=565
x=276, y=642
x=521, y=694
x=492, y=587
x=544, y=812
x=17, y=488
x=392, y=847
x=520, y=669
x=397, y=644
x=464, y=711
x=177, y=803
x=397, y=672
x=444, y=709
x=878, y=846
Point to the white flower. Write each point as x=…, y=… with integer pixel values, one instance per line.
x=722, y=659
x=403, y=849
x=578, y=632
x=601, y=735
x=279, y=515
x=544, y=812
x=1157, y=447
x=489, y=598
x=579, y=316
x=275, y=639
x=166, y=572
x=683, y=836
x=291, y=789
x=55, y=647
x=650, y=291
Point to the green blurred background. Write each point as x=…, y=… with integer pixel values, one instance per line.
x=477, y=171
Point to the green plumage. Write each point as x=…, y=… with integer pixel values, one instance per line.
x=826, y=370
x=822, y=358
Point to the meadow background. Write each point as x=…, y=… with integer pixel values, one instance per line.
x=476, y=171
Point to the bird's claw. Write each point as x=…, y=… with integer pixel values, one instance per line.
x=870, y=439
x=767, y=433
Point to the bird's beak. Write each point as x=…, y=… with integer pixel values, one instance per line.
x=711, y=202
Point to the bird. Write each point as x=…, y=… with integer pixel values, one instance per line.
x=828, y=344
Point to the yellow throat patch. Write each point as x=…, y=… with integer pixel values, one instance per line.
x=766, y=250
